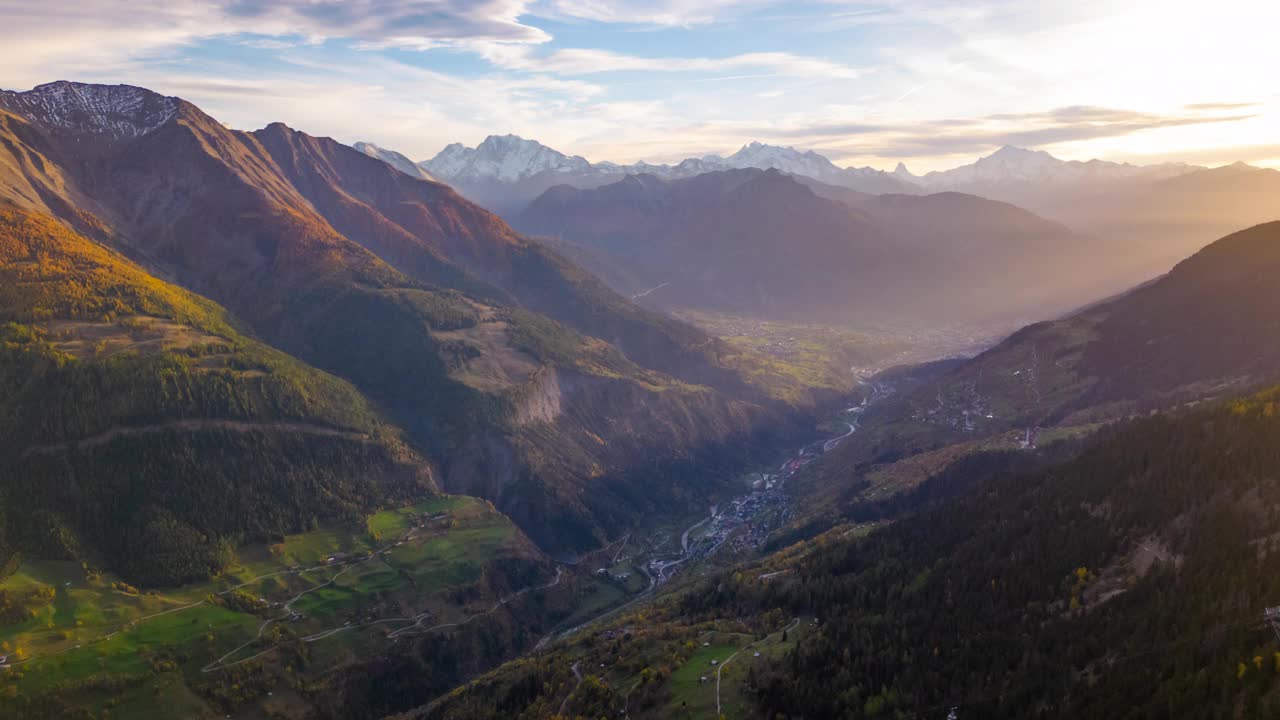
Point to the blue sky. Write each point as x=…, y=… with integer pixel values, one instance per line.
x=932, y=83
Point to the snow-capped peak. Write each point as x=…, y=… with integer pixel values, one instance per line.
x=394, y=159
x=787, y=159
x=507, y=158
x=117, y=111
x=1012, y=164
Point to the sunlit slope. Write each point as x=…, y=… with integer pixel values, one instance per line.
x=140, y=428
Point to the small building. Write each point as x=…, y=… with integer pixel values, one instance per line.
x=715, y=662
x=702, y=679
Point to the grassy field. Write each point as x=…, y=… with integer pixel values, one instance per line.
x=690, y=696
x=794, y=357
x=80, y=633
x=733, y=679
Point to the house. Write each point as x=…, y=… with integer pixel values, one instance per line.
x=4, y=659
x=715, y=662
x=702, y=679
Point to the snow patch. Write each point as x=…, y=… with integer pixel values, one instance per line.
x=117, y=111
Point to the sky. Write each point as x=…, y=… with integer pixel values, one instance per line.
x=931, y=83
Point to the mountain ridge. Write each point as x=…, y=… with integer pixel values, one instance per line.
x=402, y=287
x=798, y=247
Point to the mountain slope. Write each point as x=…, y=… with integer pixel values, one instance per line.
x=141, y=429
x=1205, y=329
x=431, y=234
x=419, y=298
x=1133, y=575
x=765, y=243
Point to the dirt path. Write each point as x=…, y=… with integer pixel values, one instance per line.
x=195, y=425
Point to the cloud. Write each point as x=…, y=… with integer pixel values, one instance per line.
x=55, y=38
x=1221, y=106
x=948, y=136
x=581, y=61
x=662, y=13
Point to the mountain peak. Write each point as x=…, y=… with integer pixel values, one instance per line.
x=1013, y=152
x=507, y=158
x=787, y=159
x=116, y=111
x=394, y=159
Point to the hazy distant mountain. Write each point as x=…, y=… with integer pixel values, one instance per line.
x=809, y=164
x=764, y=243
x=1206, y=328
x=506, y=172
x=1017, y=166
x=394, y=159
x=1155, y=214
x=1170, y=217
x=1121, y=202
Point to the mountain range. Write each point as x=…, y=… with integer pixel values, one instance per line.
x=768, y=244
x=505, y=172
x=497, y=357
x=1143, y=219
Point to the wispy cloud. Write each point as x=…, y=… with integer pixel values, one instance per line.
x=1221, y=105
x=581, y=61
x=981, y=133
x=679, y=13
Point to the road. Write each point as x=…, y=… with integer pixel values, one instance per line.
x=193, y=425
x=639, y=295
x=653, y=583
x=661, y=568
x=719, y=669
x=831, y=444
x=578, y=674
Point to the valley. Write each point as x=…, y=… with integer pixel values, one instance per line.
x=319, y=603
x=457, y=425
